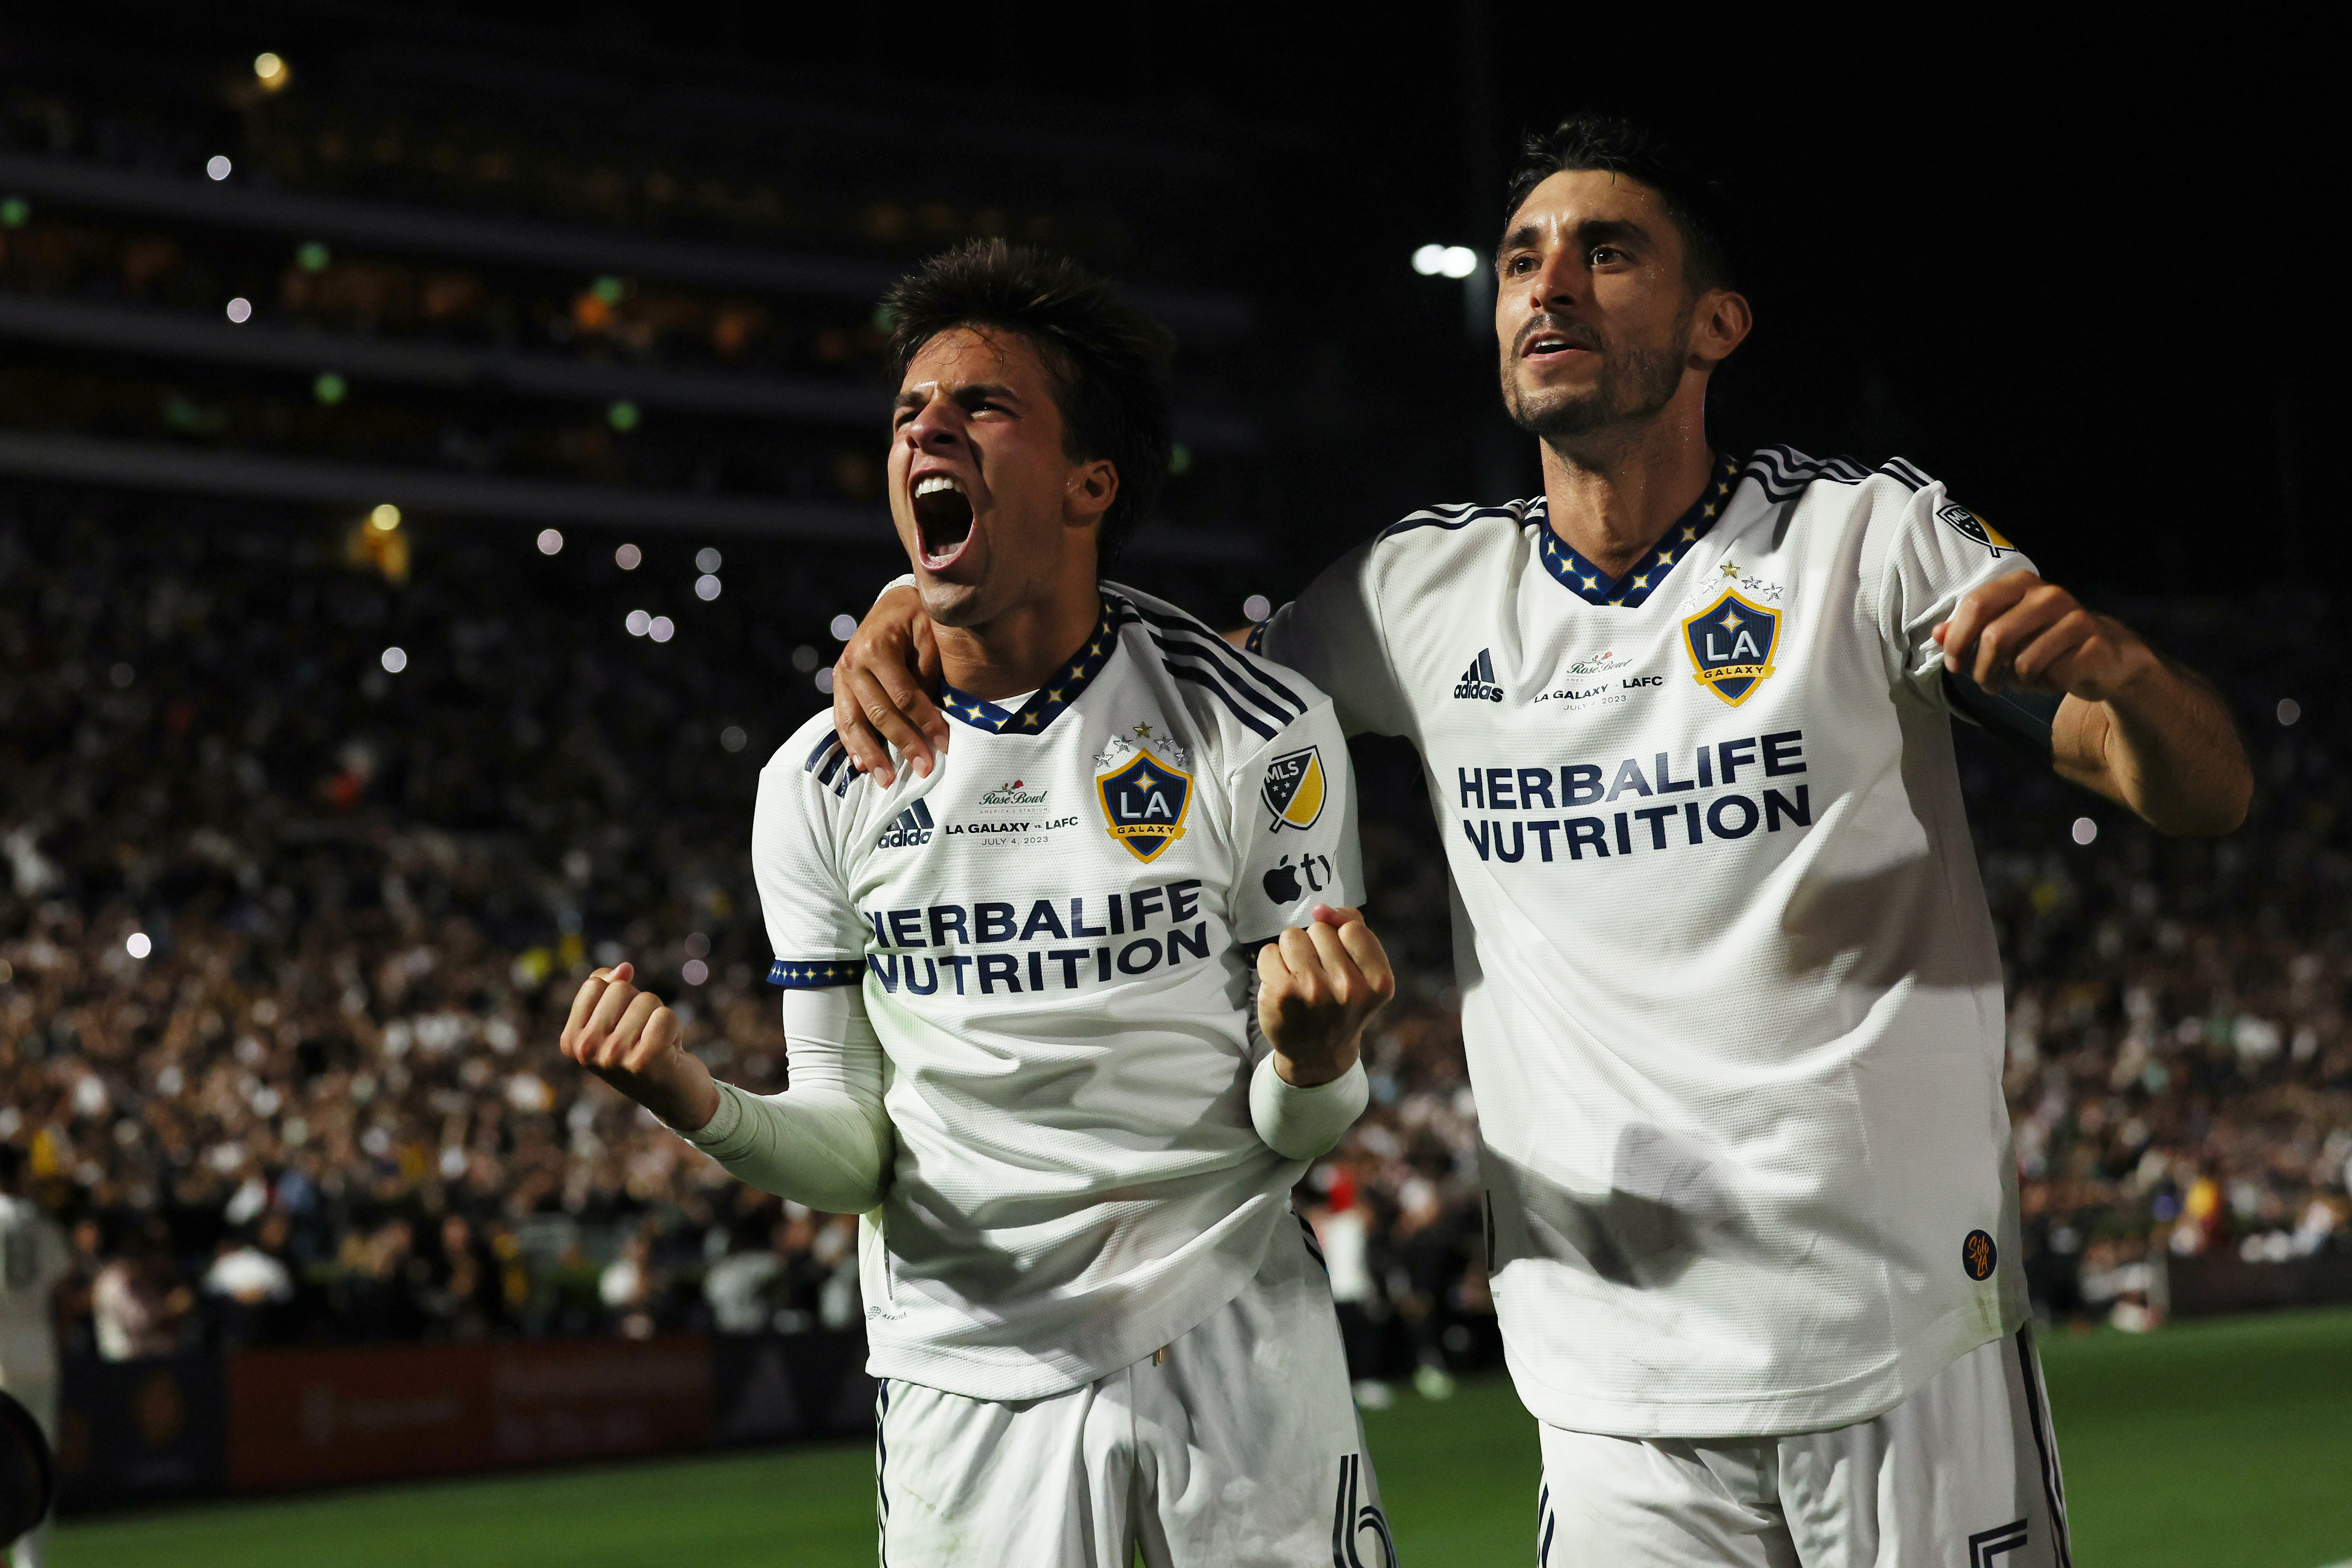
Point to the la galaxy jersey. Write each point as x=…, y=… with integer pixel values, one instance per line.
x=1730, y=995
x=1054, y=934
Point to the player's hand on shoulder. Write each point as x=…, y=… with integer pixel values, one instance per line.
x=1319, y=984
x=2020, y=631
x=882, y=685
x=628, y=1038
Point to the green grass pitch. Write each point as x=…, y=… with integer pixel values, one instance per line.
x=2222, y=1445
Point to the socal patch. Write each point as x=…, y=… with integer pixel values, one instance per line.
x=1294, y=789
x=1978, y=1255
x=1730, y=644
x=1144, y=804
x=1976, y=528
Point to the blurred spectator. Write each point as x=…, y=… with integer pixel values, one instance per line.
x=139, y=1308
x=251, y=1285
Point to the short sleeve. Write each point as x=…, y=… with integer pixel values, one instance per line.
x=1933, y=551
x=1331, y=633
x=813, y=929
x=1293, y=823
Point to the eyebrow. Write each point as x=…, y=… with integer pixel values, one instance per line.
x=968, y=392
x=1592, y=231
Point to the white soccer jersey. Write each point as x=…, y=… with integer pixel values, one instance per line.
x=34, y=1257
x=1730, y=996
x=1052, y=933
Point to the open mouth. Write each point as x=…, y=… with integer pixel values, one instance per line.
x=942, y=519
x=1552, y=343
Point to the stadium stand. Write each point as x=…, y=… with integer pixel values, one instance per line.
x=324, y=1105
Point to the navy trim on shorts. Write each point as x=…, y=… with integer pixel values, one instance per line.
x=2052, y=1489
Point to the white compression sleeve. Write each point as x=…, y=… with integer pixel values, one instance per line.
x=826, y=1142
x=1305, y=1123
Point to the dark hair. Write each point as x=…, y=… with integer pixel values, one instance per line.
x=1108, y=360
x=1697, y=201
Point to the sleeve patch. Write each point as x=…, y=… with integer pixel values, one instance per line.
x=1970, y=526
x=816, y=974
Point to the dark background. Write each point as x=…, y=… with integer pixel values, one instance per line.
x=2082, y=274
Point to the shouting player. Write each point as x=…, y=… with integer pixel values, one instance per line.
x=1730, y=995
x=1018, y=1005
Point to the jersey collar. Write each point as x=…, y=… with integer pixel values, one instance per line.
x=1594, y=586
x=1057, y=692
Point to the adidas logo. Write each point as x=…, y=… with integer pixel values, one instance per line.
x=1477, y=683
x=912, y=825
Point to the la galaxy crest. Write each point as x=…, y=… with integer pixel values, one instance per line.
x=1730, y=644
x=1144, y=801
x=1294, y=789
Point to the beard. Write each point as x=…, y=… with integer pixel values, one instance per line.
x=1634, y=385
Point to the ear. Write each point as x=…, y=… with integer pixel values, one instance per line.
x=1719, y=325
x=1091, y=488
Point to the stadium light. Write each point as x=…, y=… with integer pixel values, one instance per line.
x=2085, y=830
x=1445, y=261
x=329, y=388
x=708, y=560
x=638, y=623
x=1256, y=607
x=622, y=417
x=240, y=309
x=2289, y=710
x=733, y=739
x=137, y=945
x=694, y=971
x=312, y=256
x=844, y=627
x=550, y=541
x=627, y=557
x=662, y=628
x=218, y=166
x=706, y=588
x=271, y=71
x=394, y=661
x=385, y=519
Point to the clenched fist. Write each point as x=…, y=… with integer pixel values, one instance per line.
x=628, y=1038
x=1317, y=985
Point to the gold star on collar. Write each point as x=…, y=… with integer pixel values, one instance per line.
x=1690, y=532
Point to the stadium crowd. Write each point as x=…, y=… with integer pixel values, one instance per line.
x=287, y=928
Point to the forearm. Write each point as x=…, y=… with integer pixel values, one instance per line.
x=826, y=1142
x=2163, y=745
x=824, y=1147
x=1305, y=1123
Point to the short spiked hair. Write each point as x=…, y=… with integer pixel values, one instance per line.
x=1108, y=360
x=1697, y=203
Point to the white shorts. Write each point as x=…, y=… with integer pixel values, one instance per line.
x=1236, y=1447
x=1964, y=1474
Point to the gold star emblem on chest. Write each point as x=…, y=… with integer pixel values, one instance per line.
x=1142, y=732
x=1731, y=569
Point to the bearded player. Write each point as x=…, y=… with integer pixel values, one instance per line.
x=1730, y=995
x=1018, y=996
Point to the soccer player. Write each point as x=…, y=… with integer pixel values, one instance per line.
x=34, y=1259
x=1730, y=995
x=1018, y=995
